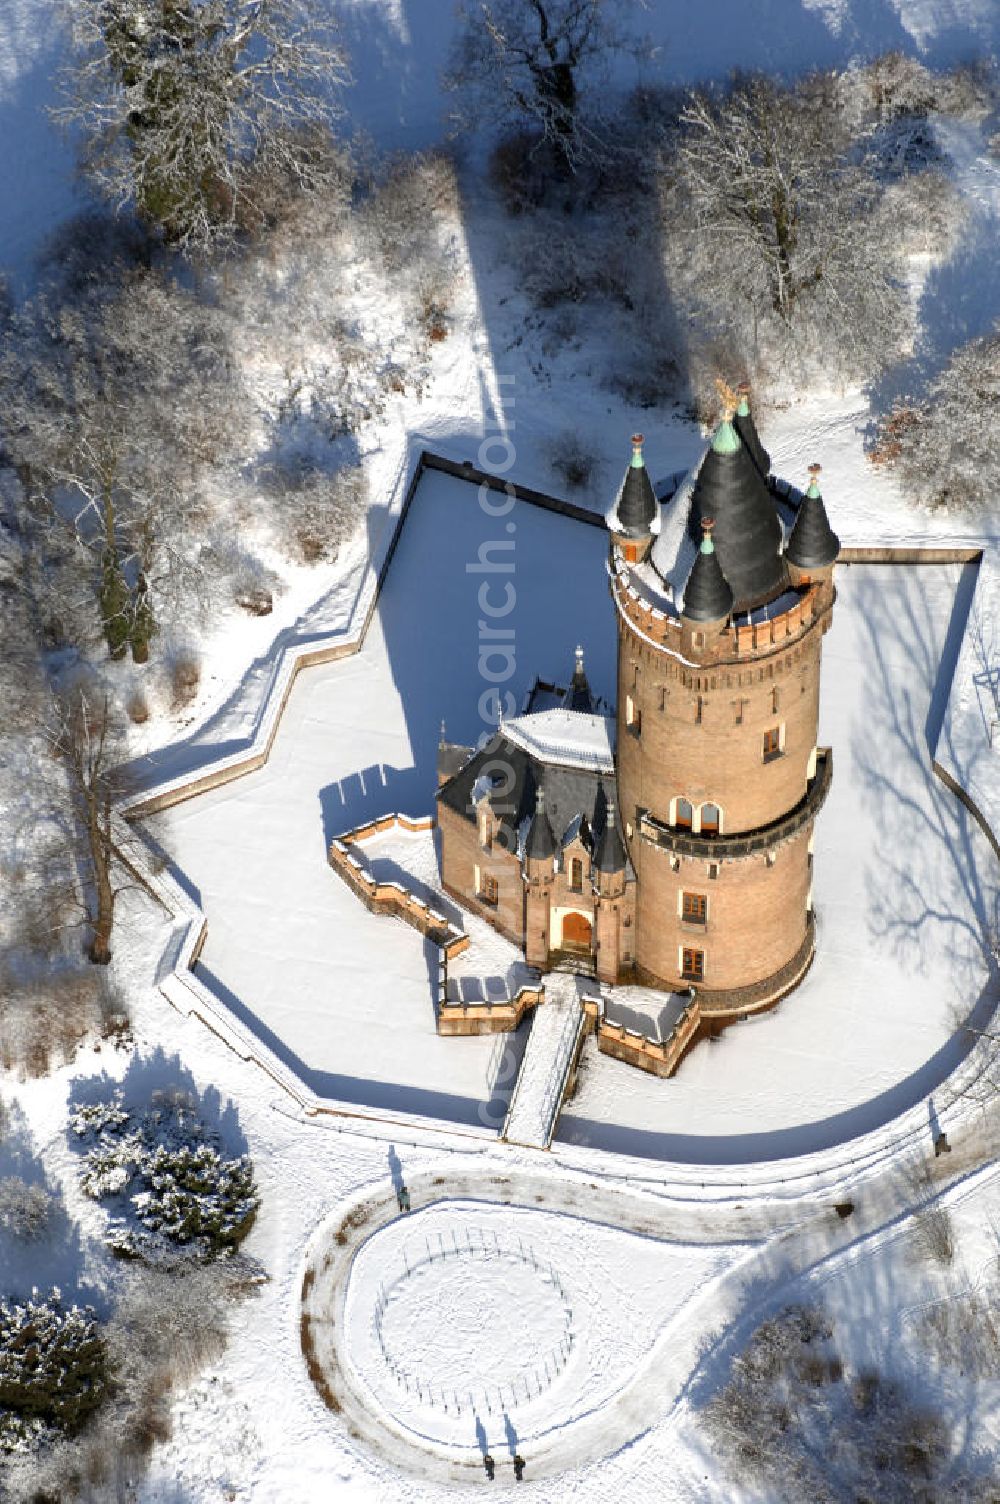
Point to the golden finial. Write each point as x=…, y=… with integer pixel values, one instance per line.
x=729, y=399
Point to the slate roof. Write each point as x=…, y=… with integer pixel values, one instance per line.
x=747, y=429
x=635, y=509
x=569, y=792
x=707, y=596
x=609, y=853
x=541, y=843
x=748, y=535
x=813, y=543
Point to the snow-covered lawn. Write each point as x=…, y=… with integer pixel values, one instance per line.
x=475, y=1326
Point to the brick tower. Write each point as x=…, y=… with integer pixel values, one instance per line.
x=723, y=595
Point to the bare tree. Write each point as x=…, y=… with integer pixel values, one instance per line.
x=179, y=99
x=113, y=403
x=526, y=60
x=776, y=230
x=86, y=736
x=942, y=443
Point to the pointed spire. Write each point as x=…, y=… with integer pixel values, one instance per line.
x=444, y=735
x=637, y=500
x=707, y=594
x=747, y=430
x=610, y=853
x=541, y=842
x=748, y=537
x=813, y=544
x=579, y=696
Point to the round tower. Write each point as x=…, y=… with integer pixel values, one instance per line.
x=719, y=774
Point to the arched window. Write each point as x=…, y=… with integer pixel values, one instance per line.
x=711, y=819
x=684, y=814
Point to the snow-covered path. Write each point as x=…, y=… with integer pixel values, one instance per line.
x=555, y=1033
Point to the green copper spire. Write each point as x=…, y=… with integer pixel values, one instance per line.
x=707, y=546
x=727, y=440
x=637, y=460
x=813, y=490
x=743, y=411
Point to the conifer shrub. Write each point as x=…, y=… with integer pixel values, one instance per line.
x=172, y=1192
x=53, y=1369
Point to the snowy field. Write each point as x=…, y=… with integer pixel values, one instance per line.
x=902, y=887
x=470, y=1324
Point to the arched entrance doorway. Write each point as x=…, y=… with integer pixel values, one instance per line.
x=577, y=932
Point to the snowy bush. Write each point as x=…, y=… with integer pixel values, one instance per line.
x=927, y=211
x=184, y=667
x=316, y=510
x=943, y=445
x=51, y=1008
x=800, y=1427
x=171, y=1188
x=25, y=1210
x=572, y=459
x=53, y=1368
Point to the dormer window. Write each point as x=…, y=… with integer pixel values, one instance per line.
x=684, y=814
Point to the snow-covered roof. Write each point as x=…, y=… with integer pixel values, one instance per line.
x=673, y=552
x=566, y=737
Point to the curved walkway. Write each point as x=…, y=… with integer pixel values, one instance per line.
x=772, y=1247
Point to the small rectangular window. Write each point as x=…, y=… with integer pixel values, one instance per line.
x=576, y=875
x=775, y=700
x=692, y=964
x=489, y=889
x=694, y=908
x=698, y=710
x=713, y=869
x=772, y=744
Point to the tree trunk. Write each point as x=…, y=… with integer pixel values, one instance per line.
x=102, y=919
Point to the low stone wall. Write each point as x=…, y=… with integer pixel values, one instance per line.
x=392, y=899
x=659, y=1058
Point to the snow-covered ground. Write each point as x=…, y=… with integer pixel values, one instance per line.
x=902, y=911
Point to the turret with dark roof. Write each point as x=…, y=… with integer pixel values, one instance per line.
x=637, y=504
x=748, y=535
x=541, y=843
x=609, y=855
x=813, y=543
x=707, y=596
x=747, y=429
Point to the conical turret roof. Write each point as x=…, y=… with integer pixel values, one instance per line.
x=707, y=596
x=813, y=543
x=637, y=499
x=748, y=536
x=747, y=429
x=541, y=842
x=579, y=696
x=610, y=853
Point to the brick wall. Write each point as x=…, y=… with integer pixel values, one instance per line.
x=756, y=913
x=701, y=732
